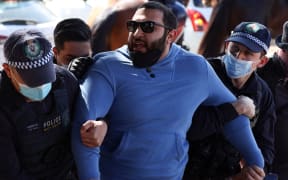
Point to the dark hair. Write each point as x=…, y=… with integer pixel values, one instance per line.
x=72, y=29
x=177, y=7
x=169, y=18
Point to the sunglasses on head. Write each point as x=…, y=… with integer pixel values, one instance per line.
x=146, y=26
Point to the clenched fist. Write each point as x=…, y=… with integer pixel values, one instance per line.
x=93, y=132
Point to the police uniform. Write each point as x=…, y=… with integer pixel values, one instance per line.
x=34, y=136
x=213, y=157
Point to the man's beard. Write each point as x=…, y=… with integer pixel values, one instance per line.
x=151, y=56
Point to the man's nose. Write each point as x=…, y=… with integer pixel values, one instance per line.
x=138, y=32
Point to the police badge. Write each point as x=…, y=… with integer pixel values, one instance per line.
x=33, y=50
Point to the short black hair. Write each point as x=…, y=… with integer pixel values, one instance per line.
x=71, y=29
x=169, y=18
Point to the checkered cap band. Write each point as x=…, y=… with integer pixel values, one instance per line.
x=25, y=65
x=252, y=38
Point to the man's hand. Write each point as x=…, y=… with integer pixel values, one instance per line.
x=93, y=132
x=244, y=106
x=250, y=173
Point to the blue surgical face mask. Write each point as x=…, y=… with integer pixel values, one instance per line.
x=37, y=93
x=236, y=68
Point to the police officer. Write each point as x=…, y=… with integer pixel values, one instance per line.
x=36, y=99
x=213, y=157
x=275, y=73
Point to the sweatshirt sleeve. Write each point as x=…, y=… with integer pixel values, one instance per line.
x=10, y=166
x=93, y=102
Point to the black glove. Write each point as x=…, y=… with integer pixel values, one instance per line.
x=79, y=66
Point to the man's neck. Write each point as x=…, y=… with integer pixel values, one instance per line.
x=240, y=82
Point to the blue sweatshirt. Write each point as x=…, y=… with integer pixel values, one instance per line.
x=149, y=112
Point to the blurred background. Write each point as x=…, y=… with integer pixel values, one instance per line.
x=45, y=14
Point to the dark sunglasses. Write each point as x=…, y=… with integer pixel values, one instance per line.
x=146, y=26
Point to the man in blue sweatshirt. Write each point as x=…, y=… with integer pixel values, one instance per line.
x=148, y=91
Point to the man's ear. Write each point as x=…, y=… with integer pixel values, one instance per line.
x=172, y=36
x=179, y=32
x=226, y=46
x=263, y=61
x=55, y=51
x=7, y=69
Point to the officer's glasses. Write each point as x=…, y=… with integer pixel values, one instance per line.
x=146, y=26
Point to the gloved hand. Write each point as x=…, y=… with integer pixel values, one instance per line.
x=79, y=66
x=245, y=105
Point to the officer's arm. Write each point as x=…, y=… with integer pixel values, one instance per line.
x=10, y=167
x=264, y=128
x=210, y=119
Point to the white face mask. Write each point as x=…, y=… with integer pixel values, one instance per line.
x=236, y=68
x=37, y=93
